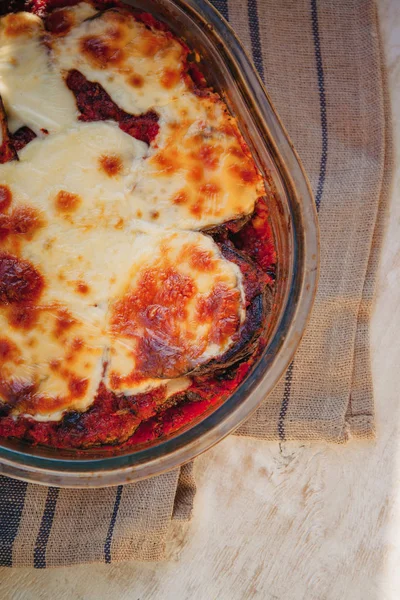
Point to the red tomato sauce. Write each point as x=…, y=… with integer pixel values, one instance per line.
x=95, y=104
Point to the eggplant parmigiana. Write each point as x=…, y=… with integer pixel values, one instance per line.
x=136, y=258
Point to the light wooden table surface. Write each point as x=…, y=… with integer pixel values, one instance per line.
x=300, y=522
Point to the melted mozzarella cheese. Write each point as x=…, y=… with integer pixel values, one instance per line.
x=80, y=177
x=95, y=175
x=47, y=369
x=180, y=305
x=33, y=90
x=140, y=68
x=199, y=173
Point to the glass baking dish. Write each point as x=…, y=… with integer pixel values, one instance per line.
x=294, y=223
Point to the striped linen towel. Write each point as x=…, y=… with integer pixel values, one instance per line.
x=322, y=66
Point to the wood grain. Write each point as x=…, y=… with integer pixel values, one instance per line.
x=287, y=522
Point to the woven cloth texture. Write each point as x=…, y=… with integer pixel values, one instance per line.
x=322, y=65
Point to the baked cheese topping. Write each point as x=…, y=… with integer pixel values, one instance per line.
x=104, y=274
x=140, y=68
x=199, y=174
x=31, y=86
x=181, y=306
x=145, y=307
x=122, y=180
x=74, y=305
x=51, y=360
x=81, y=177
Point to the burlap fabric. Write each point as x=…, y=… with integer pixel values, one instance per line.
x=322, y=65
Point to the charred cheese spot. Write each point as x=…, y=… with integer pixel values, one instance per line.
x=25, y=220
x=27, y=399
x=220, y=308
x=151, y=44
x=196, y=173
x=60, y=21
x=55, y=364
x=8, y=350
x=23, y=317
x=228, y=128
x=180, y=198
x=77, y=344
x=155, y=306
x=19, y=280
x=120, y=223
x=17, y=392
x=115, y=33
x=136, y=80
x=5, y=197
x=67, y=202
x=82, y=287
x=111, y=165
x=167, y=161
x=64, y=321
x=209, y=189
x=244, y=175
x=169, y=78
x=237, y=152
x=20, y=24
x=77, y=387
x=197, y=208
x=201, y=260
x=100, y=53
x=160, y=296
x=210, y=156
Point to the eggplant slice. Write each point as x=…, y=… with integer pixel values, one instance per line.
x=258, y=297
x=221, y=231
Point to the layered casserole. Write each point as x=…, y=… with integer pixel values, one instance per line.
x=136, y=258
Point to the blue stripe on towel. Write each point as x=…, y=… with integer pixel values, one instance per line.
x=285, y=401
x=12, y=499
x=252, y=11
x=222, y=7
x=320, y=185
x=39, y=555
x=107, y=545
x=322, y=103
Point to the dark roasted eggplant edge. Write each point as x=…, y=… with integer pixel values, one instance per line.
x=258, y=299
x=222, y=230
